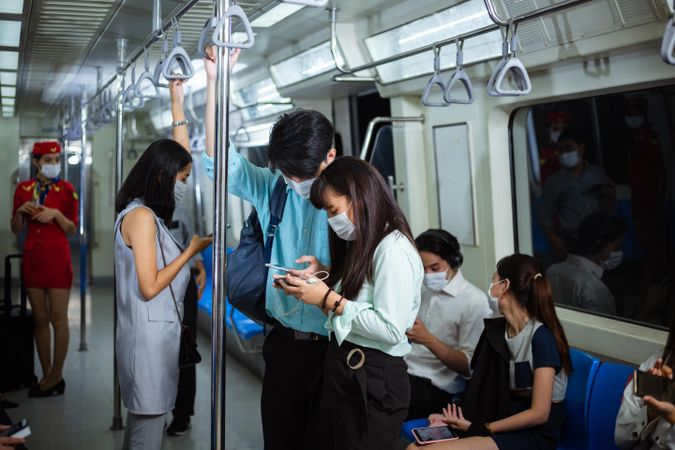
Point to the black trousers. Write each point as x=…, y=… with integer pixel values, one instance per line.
x=187, y=379
x=362, y=407
x=290, y=392
x=425, y=398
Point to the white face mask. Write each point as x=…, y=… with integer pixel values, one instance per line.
x=494, y=301
x=436, y=281
x=554, y=135
x=570, y=160
x=179, y=190
x=613, y=261
x=342, y=226
x=634, y=122
x=51, y=171
x=302, y=188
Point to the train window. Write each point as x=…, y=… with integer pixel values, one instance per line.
x=594, y=199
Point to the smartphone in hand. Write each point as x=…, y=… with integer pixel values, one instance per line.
x=661, y=388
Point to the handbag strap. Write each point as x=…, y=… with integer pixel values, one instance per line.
x=173, y=296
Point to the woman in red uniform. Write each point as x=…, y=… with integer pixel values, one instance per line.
x=48, y=206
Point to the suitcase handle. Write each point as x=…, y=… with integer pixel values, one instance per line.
x=7, y=306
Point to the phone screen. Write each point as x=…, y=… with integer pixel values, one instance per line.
x=655, y=386
x=11, y=431
x=432, y=434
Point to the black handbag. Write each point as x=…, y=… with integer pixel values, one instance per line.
x=188, y=354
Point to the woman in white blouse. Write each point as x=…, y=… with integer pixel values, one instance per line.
x=371, y=298
x=646, y=423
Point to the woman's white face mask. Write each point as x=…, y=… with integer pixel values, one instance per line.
x=343, y=226
x=51, y=171
x=302, y=188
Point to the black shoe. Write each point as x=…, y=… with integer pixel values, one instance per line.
x=59, y=388
x=178, y=427
x=6, y=404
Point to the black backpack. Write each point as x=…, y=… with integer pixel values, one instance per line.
x=246, y=271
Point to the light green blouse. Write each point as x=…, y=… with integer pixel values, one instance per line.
x=386, y=306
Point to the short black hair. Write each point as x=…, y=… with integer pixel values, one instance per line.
x=299, y=143
x=441, y=243
x=153, y=177
x=596, y=231
x=574, y=134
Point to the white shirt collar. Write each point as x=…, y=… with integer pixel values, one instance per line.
x=585, y=264
x=455, y=285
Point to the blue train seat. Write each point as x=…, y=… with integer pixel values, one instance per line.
x=577, y=398
x=606, y=395
x=406, y=429
x=246, y=327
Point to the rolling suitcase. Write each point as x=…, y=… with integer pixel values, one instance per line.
x=16, y=337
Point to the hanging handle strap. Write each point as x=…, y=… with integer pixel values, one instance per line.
x=145, y=86
x=178, y=58
x=668, y=43
x=460, y=76
x=205, y=38
x=513, y=65
x=234, y=11
x=157, y=74
x=436, y=80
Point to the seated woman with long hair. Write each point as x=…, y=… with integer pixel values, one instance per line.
x=520, y=368
x=371, y=297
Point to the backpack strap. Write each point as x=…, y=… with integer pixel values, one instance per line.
x=277, y=205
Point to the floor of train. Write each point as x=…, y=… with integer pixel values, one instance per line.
x=81, y=418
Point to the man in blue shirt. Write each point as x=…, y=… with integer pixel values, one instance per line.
x=301, y=146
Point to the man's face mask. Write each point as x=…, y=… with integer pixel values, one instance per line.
x=302, y=188
x=569, y=160
x=635, y=122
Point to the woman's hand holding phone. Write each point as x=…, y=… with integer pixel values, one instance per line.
x=298, y=287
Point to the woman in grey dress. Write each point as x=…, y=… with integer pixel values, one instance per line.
x=151, y=270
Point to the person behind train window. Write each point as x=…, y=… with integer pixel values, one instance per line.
x=182, y=228
x=578, y=189
x=514, y=399
x=647, y=182
x=447, y=328
x=371, y=297
x=577, y=281
x=300, y=147
x=48, y=207
x=549, y=156
x=152, y=278
x=647, y=423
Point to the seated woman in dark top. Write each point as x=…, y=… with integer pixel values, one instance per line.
x=520, y=367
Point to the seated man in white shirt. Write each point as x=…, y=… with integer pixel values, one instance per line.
x=447, y=328
x=577, y=281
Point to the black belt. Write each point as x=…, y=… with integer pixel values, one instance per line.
x=297, y=335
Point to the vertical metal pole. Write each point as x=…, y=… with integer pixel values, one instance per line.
x=157, y=17
x=222, y=127
x=83, y=221
x=119, y=159
x=64, y=144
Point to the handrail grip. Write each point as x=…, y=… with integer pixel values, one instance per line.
x=484, y=30
x=337, y=55
x=157, y=74
x=146, y=75
x=668, y=42
x=435, y=80
x=459, y=76
x=378, y=120
x=234, y=11
x=179, y=56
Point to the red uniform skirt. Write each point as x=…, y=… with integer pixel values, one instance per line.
x=48, y=268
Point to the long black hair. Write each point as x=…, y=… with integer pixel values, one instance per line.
x=533, y=291
x=376, y=214
x=153, y=177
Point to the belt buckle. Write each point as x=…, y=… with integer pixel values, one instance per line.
x=362, y=361
x=304, y=336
